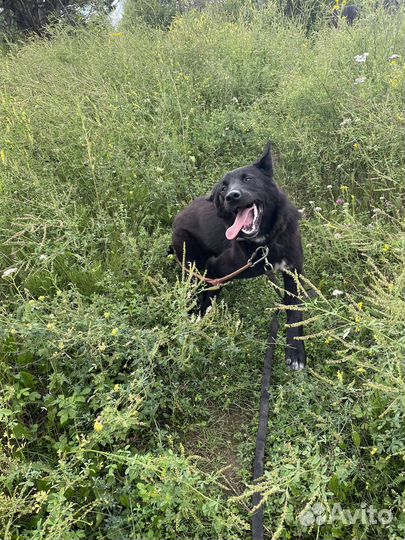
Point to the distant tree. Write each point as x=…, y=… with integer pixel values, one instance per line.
x=34, y=15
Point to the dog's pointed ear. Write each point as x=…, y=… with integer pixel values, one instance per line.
x=265, y=163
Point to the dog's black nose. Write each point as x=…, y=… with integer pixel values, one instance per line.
x=233, y=195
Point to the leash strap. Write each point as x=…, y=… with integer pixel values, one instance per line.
x=216, y=282
x=258, y=465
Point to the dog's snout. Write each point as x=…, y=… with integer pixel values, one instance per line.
x=233, y=195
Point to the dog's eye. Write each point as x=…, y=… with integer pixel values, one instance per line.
x=246, y=179
x=223, y=188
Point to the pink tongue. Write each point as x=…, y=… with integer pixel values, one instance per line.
x=240, y=220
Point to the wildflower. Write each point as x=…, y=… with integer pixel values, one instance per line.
x=41, y=298
x=159, y=169
x=360, y=80
x=116, y=387
x=329, y=186
x=40, y=497
x=374, y=450
x=102, y=347
x=98, y=426
x=360, y=370
x=344, y=188
x=360, y=306
x=8, y=272
x=386, y=247
x=13, y=331
x=3, y=155
x=356, y=146
x=328, y=340
x=61, y=345
x=357, y=319
x=31, y=302
x=106, y=314
x=339, y=376
x=116, y=34
x=358, y=329
x=51, y=326
x=393, y=57
x=311, y=202
x=114, y=332
x=339, y=201
x=361, y=58
x=43, y=257
x=345, y=122
x=318, y=209
x=337, y=293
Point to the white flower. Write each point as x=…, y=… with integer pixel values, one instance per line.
x=337, y=235
x=393, y=57
x=9, y=272
x=318, y=209
x=337, y=293
x=311, y=202
x=329, y=186
x=360, y=80
x=43, y=257
x=346, y=121
x=361, y=58
x=301, y=211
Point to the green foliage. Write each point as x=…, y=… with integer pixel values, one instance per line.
x=108, y=385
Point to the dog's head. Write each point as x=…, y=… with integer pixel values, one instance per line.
x=248, y=198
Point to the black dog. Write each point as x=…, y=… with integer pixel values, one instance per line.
x=220, y=233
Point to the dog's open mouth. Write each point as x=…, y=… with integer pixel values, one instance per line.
x=247, y=221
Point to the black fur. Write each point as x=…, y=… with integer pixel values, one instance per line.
x=201, y=228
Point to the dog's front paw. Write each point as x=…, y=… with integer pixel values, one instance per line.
x=295, y=357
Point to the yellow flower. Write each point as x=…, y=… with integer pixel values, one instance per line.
x=344, y=188
x=61, y=345
x=358, y=330
x=51, y=326
x=116, y=387
x=361, y=370
x=356, y=146
x=339, y=376
x=117, y=34
x=374, y=450
x=41, y=298
x=386, y=247
x=102, y=347
x=31, y=302
x=328, y=340
x=357, y=319
x=13, y=331
x=106, y=314
x=98, y=426
x=114, y=331
x=2, y=155
x=360, y=306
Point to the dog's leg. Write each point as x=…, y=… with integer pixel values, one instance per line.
x=205, y=300
x=295, y=350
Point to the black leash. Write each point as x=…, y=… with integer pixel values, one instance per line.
x=258, y=465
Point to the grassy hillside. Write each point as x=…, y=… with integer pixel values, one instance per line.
x=122, y=417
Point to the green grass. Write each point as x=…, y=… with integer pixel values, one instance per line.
x=119, y=413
